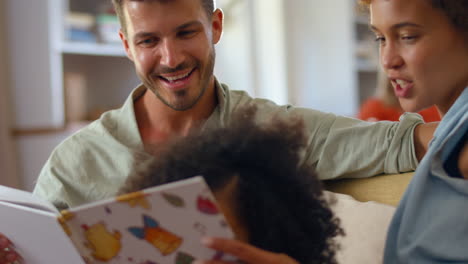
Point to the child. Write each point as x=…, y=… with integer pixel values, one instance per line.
x=269, y=200
x=424, y=51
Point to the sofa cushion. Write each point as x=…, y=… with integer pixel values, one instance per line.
x=386, y=189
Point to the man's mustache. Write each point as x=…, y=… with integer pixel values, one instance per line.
x=167, y=70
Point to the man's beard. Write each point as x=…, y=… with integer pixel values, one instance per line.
x=205, y=77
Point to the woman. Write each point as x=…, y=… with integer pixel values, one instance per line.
x=424, y=52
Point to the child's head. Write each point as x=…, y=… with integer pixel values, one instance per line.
x=423, y=49
x=254, y=171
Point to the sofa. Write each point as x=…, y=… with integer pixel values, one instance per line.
x=387, y=189
x=365, y=208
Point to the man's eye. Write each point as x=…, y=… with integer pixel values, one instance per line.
x=186, y=33
x=147, y=42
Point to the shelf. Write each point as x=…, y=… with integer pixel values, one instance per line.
x=97, y=49
x=67, y=129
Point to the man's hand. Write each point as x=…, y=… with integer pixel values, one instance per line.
x=8, y=255
x=245, y=253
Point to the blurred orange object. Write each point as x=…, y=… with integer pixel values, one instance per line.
x=376, y=110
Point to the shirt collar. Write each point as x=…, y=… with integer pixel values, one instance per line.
x=127, y=127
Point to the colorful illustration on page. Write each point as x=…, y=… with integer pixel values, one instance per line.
x=64, y=217
x=162, y=239
x=135, y=199
x=104, y=244
x=174, y=200
x=206, y=205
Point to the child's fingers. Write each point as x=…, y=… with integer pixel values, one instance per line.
x=246, y=252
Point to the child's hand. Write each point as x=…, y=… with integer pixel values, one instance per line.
x=244, y=252
x=8, y=255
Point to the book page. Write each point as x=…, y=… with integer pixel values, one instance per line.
x=37, y=235
x=23, y=198
x=161, y=225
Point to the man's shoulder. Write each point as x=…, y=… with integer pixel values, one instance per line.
x=267, y=108
x=240, y=98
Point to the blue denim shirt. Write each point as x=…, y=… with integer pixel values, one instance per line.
x=431, y=222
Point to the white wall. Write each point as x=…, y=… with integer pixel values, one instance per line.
x=252, y=53
x=320, y=52
x=8, y=174
x=269, y=44
x=33, y=100
x=299, y=52
x=234, y=61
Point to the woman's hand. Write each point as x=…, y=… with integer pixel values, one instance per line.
x=244, y=252
x=8, y=255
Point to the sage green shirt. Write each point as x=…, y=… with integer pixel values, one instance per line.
x=93, y=163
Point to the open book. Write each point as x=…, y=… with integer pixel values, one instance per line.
x=161, y=225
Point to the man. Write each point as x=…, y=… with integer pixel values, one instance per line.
x=172, y=46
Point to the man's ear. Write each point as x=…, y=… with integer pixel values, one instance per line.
x=125, y=44
x=217, y=25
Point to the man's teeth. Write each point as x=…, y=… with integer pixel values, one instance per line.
x=401, y=82
x=178, y=77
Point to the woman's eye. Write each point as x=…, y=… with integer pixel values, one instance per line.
x=379, y=39
x=409, y=38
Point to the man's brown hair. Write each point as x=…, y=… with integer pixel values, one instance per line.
x=208, y=5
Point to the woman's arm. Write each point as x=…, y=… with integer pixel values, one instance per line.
x=423, y=134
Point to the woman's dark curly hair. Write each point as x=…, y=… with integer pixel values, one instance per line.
x=280, y=203
x=455, y=10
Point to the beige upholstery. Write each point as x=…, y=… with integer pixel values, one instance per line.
x=386, y=189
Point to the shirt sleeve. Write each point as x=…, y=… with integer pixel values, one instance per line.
x=343, y=147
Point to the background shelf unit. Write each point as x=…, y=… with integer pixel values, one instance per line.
x=102, y=68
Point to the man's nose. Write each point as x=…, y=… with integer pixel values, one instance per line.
x=171, y=55
x=390, y=57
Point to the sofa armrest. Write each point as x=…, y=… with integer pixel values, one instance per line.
x=386, y=189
